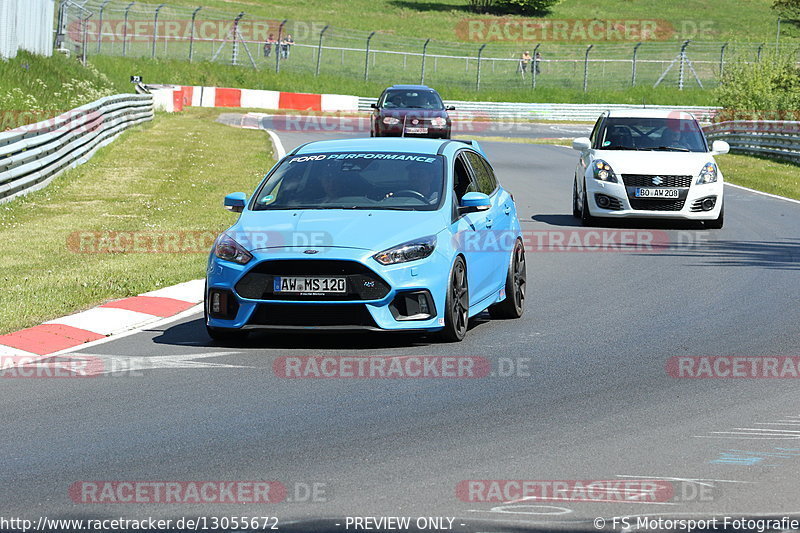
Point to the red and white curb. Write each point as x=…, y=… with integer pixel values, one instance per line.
x=174, y=98
x=100, y=323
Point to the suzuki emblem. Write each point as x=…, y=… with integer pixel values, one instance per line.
x=658, y=180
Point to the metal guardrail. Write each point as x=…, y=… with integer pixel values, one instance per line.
x=778, y=138
x=544, y=111
x=31, y=156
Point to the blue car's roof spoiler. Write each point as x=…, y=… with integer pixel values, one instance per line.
x=474, y=144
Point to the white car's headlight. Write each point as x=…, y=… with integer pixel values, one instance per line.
x=708, y=174
x=408, y=251
x=228, y=249
x=391, y=121
x=439, y=122
x=603, y=171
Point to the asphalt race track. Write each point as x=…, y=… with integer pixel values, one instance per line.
x=596, y=402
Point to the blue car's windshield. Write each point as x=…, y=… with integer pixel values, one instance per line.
x=355, y=180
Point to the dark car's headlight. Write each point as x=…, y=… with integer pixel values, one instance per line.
x=604, y=172
x=228, y=249
x=408, y=251
x=389, y=121
x=708, y=174
x=439, y=122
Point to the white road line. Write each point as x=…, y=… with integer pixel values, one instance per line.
x=280, y=152
x=762, y=193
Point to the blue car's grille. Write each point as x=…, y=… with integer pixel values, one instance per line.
x=362, y=283
x=313, y=315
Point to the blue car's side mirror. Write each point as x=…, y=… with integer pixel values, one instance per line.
x=235, y=202
x=474, y=201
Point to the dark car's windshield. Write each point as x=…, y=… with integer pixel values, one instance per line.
x=411, y=99
x=662, y=134
x=355, y=180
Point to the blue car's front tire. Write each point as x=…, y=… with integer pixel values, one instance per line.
x=456, y=313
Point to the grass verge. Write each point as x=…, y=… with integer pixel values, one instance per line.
x=762, y=174
x=162, y=178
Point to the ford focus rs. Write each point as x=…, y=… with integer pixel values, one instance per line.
x=648, y=164
x=382, y=234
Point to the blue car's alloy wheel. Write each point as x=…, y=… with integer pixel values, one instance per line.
x=516, y=283
x=456, y=316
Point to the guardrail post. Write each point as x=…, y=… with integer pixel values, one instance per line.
x=424, y=53
x=280, y=37
x=191, y=35
x=319, y=48
x=100, y=25
x=633, y=64
x=586, y=67
x=478, y=81
x=722, y=60
x=534, y=65
x=682, y=64
x=155, y=29
x=366, y=64
x=125, y=30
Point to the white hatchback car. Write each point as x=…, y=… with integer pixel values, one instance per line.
x=648, y=164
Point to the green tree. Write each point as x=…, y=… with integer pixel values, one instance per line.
x=788, y=10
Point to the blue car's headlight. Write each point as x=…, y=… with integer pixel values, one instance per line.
x=229, y=250
x=708, y=174
x=603, y=171
x=408, y=251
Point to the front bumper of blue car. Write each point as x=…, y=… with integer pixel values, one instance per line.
x=405, y=296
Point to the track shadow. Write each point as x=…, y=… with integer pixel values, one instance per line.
x=567, y=220
x=193, y=333
x=775, y=255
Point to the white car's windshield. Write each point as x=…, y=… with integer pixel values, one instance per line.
x=668, y=134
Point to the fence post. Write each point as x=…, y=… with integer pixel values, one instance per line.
x=424, y=52
x=278, y=55
x=85, y=43
x=235, y=32
x=319, y=49
x=681, y=67
x=586, y=67
x=478, y=81
x=125, y=31
x=778, y=37
x=633, y=65
x=100, y=25
x=155, y=29
x=758, y=53
x=366, y=64
x=191, y=35
x=534, y=65
x=722, y=60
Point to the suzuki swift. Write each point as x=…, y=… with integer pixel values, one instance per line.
x=382, y=234
x=648, y=164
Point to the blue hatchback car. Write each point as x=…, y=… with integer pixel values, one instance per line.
x=380, y=233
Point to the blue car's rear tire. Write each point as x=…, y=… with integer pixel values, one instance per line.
x=456, y=313
x=516, y=283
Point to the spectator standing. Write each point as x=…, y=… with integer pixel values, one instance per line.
x=524, y=61
x=536, y=60
x=286, y=45
x=268, y=45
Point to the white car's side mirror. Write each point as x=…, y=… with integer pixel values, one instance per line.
x=582, y=144
x=720, y=147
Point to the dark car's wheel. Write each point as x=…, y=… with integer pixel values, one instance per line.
x=516, y=280
x=222, y=335
x=575, y=211
x=456, y=313
x=717, y=222
x=586, y=217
